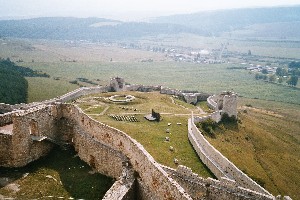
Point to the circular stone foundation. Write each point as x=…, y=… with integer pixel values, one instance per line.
x=121, y=98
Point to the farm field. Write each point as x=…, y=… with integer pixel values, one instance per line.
x=206, y=78
x=91, y=61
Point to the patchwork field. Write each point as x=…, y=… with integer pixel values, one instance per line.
x=67, y=62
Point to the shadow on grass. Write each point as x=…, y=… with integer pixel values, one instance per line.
x=76, y=181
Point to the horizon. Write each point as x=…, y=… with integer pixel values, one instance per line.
x=125, y=10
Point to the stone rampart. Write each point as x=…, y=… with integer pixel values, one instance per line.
x=169, y=91
x=211, y=103
x=223, y=189
x=29, y=125
x=6, y=118
x=216, y=116
x=152, y=175
x=218, y=163
x=142, y=88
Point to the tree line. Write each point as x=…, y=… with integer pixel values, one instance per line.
x=13, y=85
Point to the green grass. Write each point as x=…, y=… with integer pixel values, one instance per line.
x=95, y=110
x=204, y=106
x=40, y=89
x=152, y=134
x=71, y=174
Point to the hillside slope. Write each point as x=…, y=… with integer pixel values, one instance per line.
x=220, y=21
x=265, y=145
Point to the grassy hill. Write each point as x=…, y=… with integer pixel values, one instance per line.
x=265, y=144
x=217, y=22
x=92, y=29
x=209, y=23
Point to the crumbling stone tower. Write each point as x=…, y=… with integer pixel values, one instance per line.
x=117, y=84
x=227, y=102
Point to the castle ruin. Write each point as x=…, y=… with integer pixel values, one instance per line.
x=29, y=131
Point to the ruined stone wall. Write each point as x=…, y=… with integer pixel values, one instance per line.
x=5, y=108
x=6, y=118
x=124, y=188
x=200, y=188
x=190, y=98
x=5, y=146
x=35, y=122
x=218, y=163
x=230, y=105
x=81, y=92
x=216, y=116
x=101, y=157
x=153, y=177
x=211, y=103
x=142, y=88
x=132, y=87
x=169, y=91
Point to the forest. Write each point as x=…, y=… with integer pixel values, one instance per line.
x=13, y=85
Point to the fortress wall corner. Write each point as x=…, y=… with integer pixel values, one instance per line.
x=27, y=126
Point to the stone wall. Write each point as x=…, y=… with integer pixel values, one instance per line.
x=117, y=84
x=226, y=101
x=5, y=148
x=6, y=118
x=209, y=188
x=27, y=126
x=5, y=108
x=169, y=91
x=217, y=163
x=216, y=116
x=142, y=88
x=153, y=177
x=211, y=103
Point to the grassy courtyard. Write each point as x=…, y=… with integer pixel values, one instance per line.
x=152, y=135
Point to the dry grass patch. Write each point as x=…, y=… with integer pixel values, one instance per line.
x=265, y=146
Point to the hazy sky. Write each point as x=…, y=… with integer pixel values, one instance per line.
x=123, y=9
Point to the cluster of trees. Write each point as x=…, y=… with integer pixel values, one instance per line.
x=13, y=85
x=290, y=74
x=23, y=71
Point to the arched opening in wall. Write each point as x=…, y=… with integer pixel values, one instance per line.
x=34, y=128
x=92, y=162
